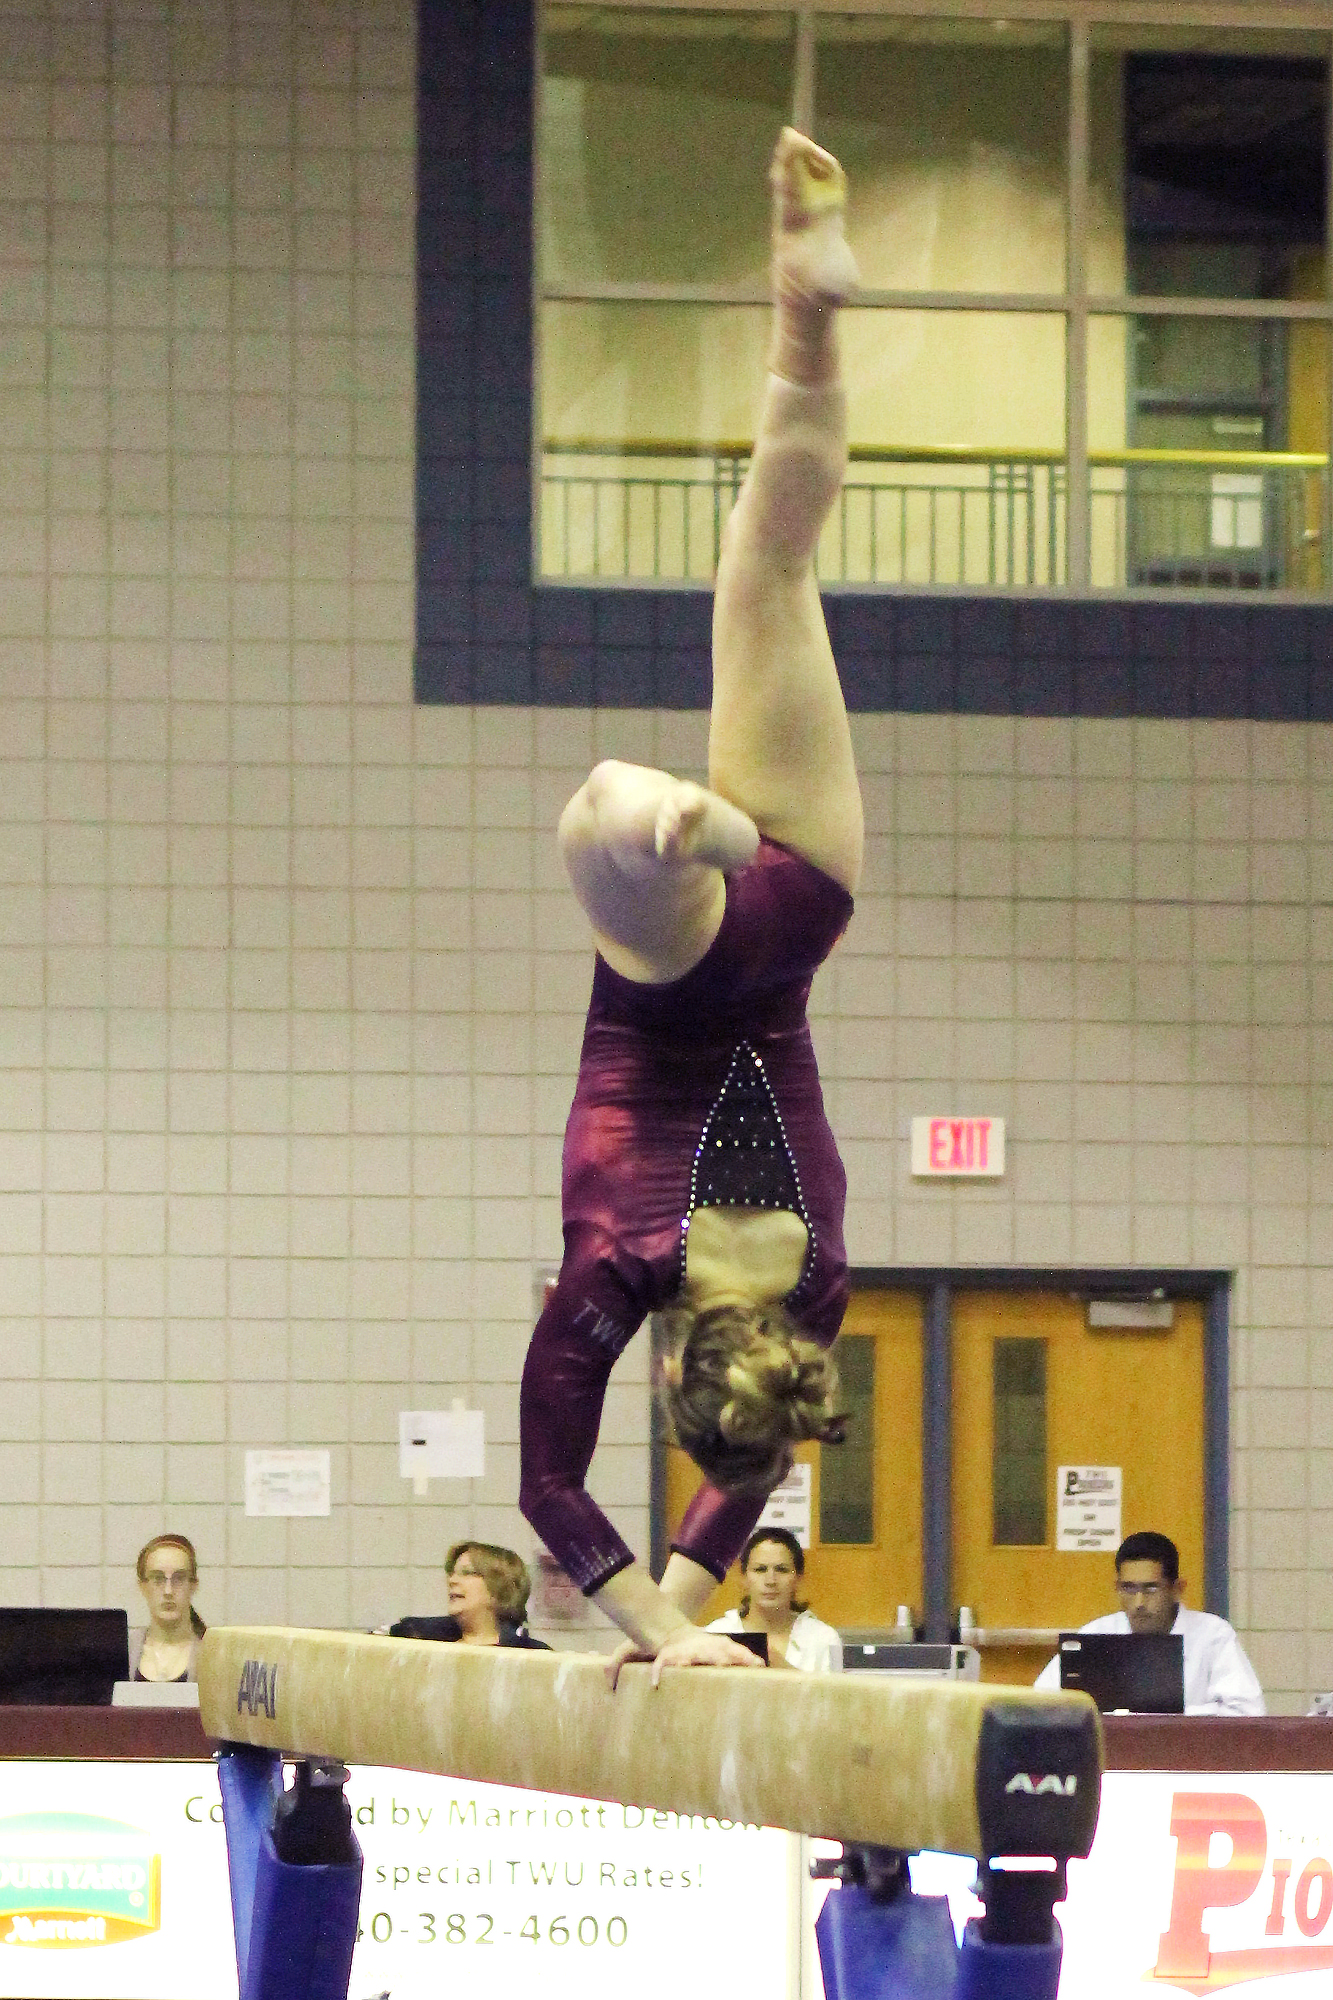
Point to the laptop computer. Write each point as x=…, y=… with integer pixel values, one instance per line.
x=67, y=1658
x=155, y=1694
x=887, y=1656
x=1140, y=1671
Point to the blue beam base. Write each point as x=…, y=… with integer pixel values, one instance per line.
x=295, y=1922
x=1008, y=1971
x=251, y=1784
x=904, y=1948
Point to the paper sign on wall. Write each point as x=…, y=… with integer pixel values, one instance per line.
x=789, y=1505
x=442, y=1444
x=286, y=1482
x=1087, y=1508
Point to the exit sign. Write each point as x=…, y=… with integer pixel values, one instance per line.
x=958, y=1148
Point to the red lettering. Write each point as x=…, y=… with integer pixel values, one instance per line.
x=1276, y=1912
x=1317, y=1878
x=957, y=1133
x=983, y=1142
x=939, y=1145
x=1195, y=1818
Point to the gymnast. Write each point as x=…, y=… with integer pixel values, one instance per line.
x=701, y=1179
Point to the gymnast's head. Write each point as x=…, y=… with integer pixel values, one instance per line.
x=742, y=1387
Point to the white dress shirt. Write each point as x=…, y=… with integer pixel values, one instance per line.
x=1219, y=1680
x=812, y=1648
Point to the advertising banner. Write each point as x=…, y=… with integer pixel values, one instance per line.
x=1195, y=1885
x=113, y=1882
x=113, y=1886
x=1201, y=1884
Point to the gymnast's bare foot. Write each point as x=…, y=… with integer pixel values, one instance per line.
x=812, y=262
x=813, y=268
x=695, y=825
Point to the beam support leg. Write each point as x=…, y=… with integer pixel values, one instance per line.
x=1014, y=1951
x=879, y=1940
x=295, y=1869
x=902, y=1949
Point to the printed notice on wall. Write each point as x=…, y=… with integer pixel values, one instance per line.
x=1087, y=1508
x=789, y=1505
x=286, y=1482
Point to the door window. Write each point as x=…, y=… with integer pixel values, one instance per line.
x=847, y=1476
x=1018, y=1448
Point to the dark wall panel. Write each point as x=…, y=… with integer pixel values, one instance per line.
x=486, y=634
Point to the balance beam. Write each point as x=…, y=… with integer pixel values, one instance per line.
x=863, y=1758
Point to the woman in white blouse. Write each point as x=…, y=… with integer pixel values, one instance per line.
x=772, y=1565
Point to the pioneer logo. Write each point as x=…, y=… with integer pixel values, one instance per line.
x=1035, y=1784
x=1284, y=1900
x=258, y=1691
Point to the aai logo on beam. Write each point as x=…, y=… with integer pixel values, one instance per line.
x=258, y=1688
x=958, y=1148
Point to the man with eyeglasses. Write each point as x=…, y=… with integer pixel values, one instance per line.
x=1219, y=1680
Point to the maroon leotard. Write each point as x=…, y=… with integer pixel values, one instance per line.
x=654, y=1065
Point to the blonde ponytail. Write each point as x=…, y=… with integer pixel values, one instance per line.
x=742, y=1386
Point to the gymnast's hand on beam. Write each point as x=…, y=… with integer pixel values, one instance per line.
x=689, y=1647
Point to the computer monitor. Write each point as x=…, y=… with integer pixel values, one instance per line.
x=1140, y=1671
x=66, y=1658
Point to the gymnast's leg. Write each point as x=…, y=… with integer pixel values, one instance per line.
x=648, y=855
x=779, y=743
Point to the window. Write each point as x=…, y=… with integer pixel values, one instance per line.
x=1018, y=1445
x=1093, y=346
x=847, y=1472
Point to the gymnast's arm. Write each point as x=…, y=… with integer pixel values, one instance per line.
x=585, y=1325
x=687, y=1583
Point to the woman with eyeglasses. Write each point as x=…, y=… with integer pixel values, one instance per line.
x=488, y=1601
x=167, y=1648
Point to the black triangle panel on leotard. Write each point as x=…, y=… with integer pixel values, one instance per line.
x=744, y=1158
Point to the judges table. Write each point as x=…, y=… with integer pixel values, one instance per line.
x=1212, y=1868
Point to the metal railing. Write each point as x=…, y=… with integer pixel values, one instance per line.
x=1224, y=520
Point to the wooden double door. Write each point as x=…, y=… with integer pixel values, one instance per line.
x=1034, y=1388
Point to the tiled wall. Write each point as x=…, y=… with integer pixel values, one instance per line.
x=290, y=986
x=267, y=1174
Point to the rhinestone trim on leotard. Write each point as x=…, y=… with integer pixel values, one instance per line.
x=744, y=1157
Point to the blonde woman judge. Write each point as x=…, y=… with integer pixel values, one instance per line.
x=488, y=1601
